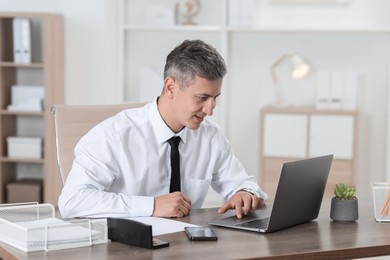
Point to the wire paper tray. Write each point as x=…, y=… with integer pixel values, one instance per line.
x=33, y=227
x=381, y=196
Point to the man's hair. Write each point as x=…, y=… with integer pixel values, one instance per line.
x=194, y=58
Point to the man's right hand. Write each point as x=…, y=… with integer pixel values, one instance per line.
x=172, y=205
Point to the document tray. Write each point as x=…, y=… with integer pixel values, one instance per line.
x=34, y=227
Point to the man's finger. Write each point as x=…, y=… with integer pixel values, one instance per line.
x=255, y=203
x=238, y=207
x=225, y=208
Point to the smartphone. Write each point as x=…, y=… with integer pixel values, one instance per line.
x=200, y=233
x=157, y=243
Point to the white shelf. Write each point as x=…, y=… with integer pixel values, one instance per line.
x=235, y=29
x=178, y=28
x=307, y=30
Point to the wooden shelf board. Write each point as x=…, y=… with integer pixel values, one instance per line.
x=34, y=65
x=21, y=160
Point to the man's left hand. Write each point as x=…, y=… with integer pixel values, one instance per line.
x=243, y=202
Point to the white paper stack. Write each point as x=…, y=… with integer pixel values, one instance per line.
x=22, y=40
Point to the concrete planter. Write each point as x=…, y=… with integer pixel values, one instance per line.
x=344, y=210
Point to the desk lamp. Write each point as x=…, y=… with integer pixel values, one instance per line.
x=298, y=69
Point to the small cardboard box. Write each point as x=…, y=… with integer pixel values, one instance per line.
x=26, y=147
x=25, y=191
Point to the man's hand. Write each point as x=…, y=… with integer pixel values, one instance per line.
x=172, y=205
x=243, y=202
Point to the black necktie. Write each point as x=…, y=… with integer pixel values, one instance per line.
x=175, y=164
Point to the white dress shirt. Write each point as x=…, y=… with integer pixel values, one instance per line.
x=124, y=162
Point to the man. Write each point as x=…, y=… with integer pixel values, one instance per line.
x=122, y=167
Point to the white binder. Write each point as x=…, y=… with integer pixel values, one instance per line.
x=22, y=40
x=17, y=40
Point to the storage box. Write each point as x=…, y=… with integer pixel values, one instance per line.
x=26, y=147
x=24, y=191
x=27, y=98
x=381, y=196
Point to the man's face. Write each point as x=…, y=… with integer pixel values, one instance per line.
x=193, y=103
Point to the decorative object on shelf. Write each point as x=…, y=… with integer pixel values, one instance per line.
x=381, y=196
x=344, y=205
x=297, y=68
x=187, y=9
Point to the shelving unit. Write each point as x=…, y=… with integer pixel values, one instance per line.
x=296, y=133
x=46, y=69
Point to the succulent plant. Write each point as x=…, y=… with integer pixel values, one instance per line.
x=344, y=191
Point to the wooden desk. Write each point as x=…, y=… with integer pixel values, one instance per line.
x=319, y=239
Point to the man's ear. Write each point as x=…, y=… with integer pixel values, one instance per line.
x=169, y=86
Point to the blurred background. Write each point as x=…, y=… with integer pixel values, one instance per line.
x=115, y=50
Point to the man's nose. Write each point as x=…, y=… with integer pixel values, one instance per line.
x=209, y=107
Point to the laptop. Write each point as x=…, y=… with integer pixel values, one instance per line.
x=297, y=200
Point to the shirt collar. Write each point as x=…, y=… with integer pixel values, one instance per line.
x=161, y=130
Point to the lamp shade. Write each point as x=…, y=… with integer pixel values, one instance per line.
x=297, y=68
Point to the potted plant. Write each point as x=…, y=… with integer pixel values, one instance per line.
x=344, y=205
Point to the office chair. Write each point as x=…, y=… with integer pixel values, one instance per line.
x=71, y=122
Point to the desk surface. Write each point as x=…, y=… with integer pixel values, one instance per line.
x=322, y=239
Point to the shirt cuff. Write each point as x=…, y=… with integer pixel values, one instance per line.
x=250, y=191
x=142, y=206
x=258, y=193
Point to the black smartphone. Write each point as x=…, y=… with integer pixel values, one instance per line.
x=157, y=243
x=200, y=233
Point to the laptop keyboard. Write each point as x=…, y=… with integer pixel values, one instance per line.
x=261, y=223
